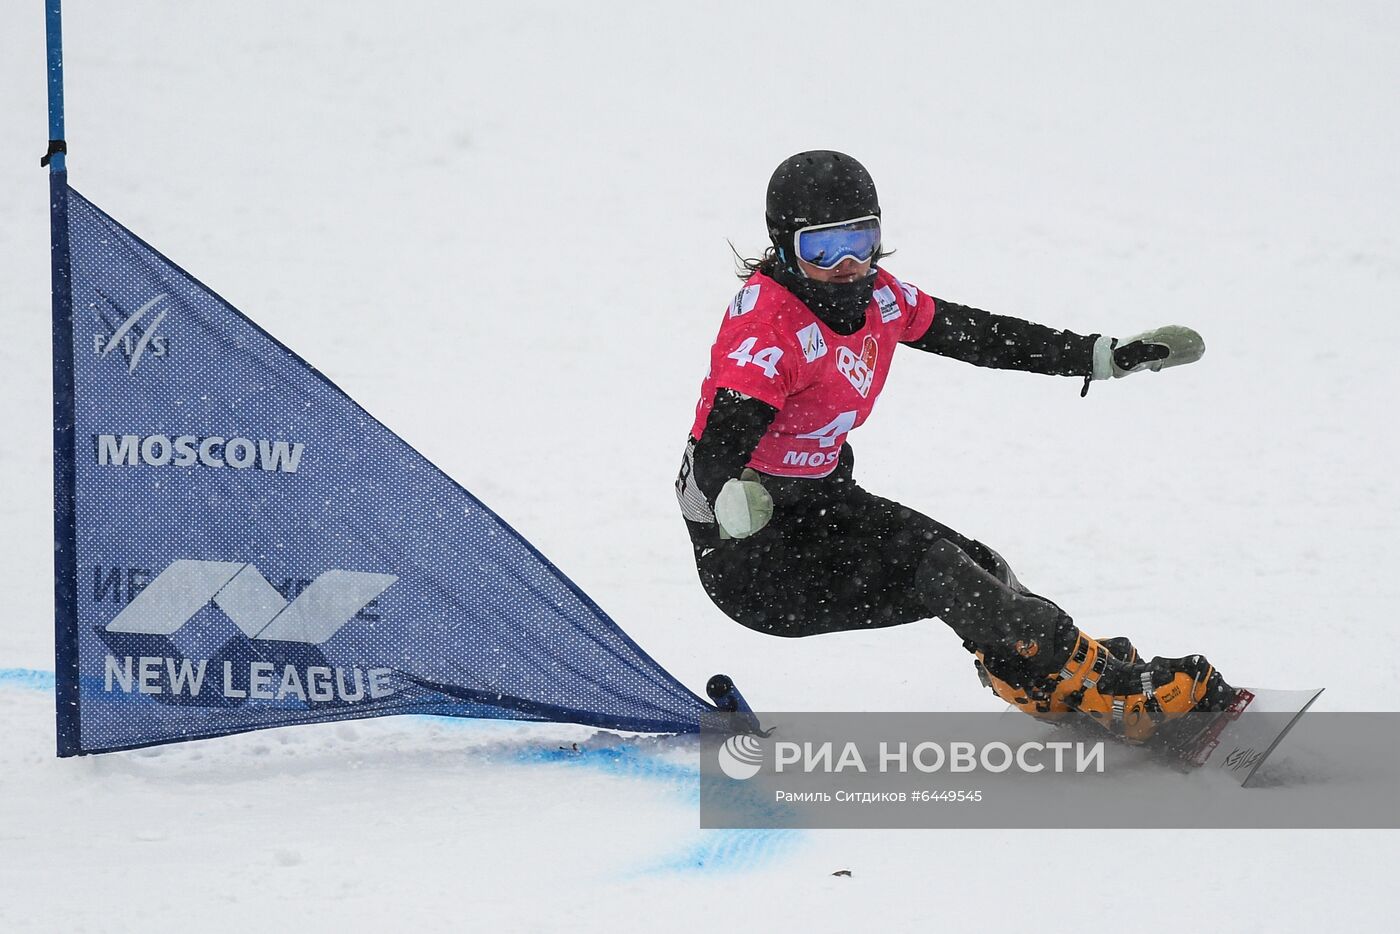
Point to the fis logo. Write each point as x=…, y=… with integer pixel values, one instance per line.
x=132, y=337
x=812, y=342
x=184, y=588
x=859, y=370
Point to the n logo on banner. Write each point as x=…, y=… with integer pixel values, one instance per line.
x=253, y=604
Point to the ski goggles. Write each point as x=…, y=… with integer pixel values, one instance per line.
x=826, y=245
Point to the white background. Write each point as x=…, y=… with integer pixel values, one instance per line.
x=503, y=231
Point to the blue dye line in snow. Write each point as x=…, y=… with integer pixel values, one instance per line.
x=707, y=850
x=31, y=678
x=620, y=760
x=728, y=851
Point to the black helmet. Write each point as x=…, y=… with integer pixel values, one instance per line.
x=817, y=187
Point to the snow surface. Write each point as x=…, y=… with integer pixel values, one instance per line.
x=501, y=227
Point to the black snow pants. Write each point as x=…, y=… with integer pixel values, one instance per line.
x=836, y=557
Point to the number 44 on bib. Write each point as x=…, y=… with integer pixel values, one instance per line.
x=767, y=358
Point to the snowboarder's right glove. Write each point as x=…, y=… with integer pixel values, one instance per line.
x=743, y=506
x=1153, y=350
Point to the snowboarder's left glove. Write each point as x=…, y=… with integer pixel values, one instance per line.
x=1153, y=350
x=743, y=506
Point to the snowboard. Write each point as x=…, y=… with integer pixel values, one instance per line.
x=1241, y=738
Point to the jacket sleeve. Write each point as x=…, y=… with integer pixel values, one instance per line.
x=735, y=426
x=984, y=339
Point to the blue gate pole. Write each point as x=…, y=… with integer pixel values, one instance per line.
x=65, y=538
x=53, y=27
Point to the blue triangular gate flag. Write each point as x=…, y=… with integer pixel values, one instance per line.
x=242, y=546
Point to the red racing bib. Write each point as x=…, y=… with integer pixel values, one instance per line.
x=823, y=384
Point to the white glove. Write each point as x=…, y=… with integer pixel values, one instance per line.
x=743, y=506
x=1153, y=350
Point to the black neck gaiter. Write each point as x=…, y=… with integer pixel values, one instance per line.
x=840, y=305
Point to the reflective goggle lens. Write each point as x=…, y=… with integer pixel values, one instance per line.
x=827, y=245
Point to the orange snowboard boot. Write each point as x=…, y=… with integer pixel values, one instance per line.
x=1107, y=682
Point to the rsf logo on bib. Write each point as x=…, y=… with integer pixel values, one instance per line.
x=860, y=370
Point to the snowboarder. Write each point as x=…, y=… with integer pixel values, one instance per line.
x=787, y=543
